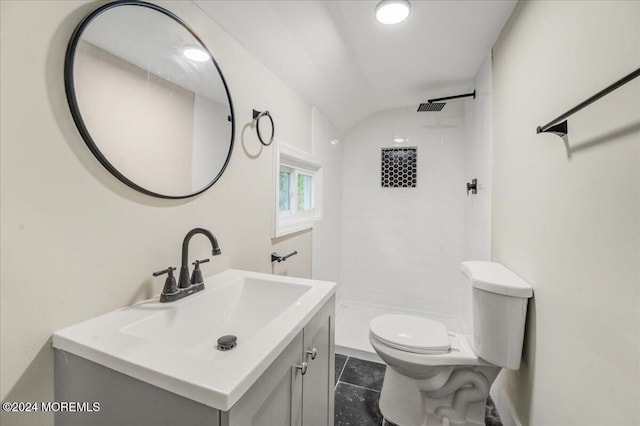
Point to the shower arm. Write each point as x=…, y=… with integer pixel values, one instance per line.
x=446, y=98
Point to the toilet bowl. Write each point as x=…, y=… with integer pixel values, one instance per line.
x=438, y=377
x=424, y=380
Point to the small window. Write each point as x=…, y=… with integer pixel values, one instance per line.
x=284, y=204
x=299, y=188
x=305, y=192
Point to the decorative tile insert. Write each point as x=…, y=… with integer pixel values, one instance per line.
x=399, y=167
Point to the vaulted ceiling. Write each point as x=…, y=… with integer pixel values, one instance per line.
x=340, y=59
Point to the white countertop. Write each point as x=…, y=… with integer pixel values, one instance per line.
x=173, y=345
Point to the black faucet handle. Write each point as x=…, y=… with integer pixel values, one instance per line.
x=196, y=275
x=169, y=271
x=170, y=286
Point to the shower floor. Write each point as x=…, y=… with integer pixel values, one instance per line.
x=352, y=326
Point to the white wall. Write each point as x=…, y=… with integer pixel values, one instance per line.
x=327, y=232
x=209, y=118
x=163, y=112
x=403, y=246
x=76, y=242
x=570, y=224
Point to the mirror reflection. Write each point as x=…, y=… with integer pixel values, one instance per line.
x=149, y=99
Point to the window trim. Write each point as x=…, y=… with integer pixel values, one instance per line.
x=293, y=220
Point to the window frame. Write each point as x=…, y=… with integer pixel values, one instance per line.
x=297, y=162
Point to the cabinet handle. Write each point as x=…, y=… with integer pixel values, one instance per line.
x=313, y=353
x=302, y=368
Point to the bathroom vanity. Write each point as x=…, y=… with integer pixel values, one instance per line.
x=159, y=364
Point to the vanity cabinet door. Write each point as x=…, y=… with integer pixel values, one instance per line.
x=276, y=397
x=283, y=395
x=317, y=383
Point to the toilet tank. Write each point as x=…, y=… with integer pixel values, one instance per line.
x=499, y=304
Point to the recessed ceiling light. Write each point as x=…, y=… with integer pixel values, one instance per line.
x=390, y=12
x=398, y=139
x=195, y=53
x=334, y=141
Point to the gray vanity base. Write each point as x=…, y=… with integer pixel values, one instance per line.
x=281, y=396
x=123, y=399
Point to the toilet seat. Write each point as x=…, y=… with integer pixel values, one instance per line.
x=411, y=333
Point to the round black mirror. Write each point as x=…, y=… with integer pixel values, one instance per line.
x=149, y=99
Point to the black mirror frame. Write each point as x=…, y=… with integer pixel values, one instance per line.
x=77, y=116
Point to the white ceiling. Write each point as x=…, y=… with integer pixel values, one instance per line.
x=337, y=57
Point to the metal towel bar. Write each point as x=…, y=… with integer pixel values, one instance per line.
x=559, y=124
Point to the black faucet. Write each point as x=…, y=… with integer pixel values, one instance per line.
x=184, y=282
x=185, y=286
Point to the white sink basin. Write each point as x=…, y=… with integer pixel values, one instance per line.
x=173, y=345
x=242, y=307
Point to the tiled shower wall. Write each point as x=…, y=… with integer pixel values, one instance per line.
x=327, y=150
x=478, y=166
x=478, y=151
x=403, y=246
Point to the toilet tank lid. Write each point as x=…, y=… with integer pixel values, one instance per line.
x=496, y=278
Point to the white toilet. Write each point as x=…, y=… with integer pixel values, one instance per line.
x=437, y=377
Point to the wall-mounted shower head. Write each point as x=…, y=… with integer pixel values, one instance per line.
x=431, y=106
x=434, y=105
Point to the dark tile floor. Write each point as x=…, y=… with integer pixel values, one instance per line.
x=358, y=385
